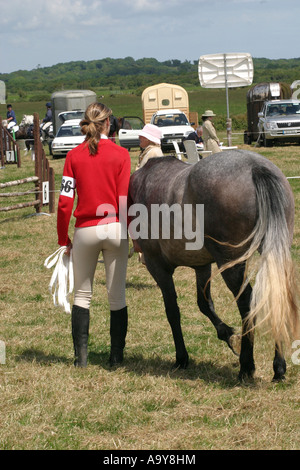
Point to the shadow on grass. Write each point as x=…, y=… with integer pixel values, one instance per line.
x=35, y=355
x=207, y=371
x=226, y=376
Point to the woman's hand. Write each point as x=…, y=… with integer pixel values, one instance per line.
x=68, y=249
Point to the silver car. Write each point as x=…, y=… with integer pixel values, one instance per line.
x=68, y=136
x=279, y=120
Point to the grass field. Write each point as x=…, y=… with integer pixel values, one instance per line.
x=129, y=104
x=48, y=404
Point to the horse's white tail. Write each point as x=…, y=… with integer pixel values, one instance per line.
x=275, y=292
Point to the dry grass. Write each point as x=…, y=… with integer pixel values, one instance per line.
x=48, y=404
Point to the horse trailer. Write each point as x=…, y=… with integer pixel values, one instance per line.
x=256, y=97
x=69, y=100
x=166, y=96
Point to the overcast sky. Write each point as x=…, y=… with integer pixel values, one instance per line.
x=41, y=33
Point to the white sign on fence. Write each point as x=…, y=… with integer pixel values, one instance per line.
x=46, y=192
x=2, y=352
x=10, y=156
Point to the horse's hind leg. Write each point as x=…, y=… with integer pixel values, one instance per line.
x=279, y=365
x=164, y=277
x=234, y=278
x=206, y=306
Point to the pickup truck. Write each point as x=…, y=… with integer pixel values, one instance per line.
x=279, y=120
x=174, y=126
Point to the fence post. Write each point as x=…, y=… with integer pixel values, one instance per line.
x=43, y=172
x=38, y=159
x=51, y=191
x=18, y=157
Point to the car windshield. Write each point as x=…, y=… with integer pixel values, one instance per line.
x=68, y=115
x=165, y=120
x=283, y=109
x=69, y=131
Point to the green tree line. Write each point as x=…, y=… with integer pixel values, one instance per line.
x=131, y=74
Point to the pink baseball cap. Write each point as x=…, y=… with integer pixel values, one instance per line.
x=152, y=133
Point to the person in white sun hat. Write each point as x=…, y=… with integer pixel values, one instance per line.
x=210, y=138
x=150, y=137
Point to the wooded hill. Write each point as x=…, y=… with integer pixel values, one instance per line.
x=131, y=74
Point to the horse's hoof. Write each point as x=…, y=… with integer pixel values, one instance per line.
x=234, y=343
x=226, y=333
x=181, y=364
x=278, y=378
x=246, y=376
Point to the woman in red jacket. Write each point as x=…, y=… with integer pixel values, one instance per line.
x=98, y=171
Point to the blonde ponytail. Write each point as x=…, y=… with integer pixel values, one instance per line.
x=93, y=124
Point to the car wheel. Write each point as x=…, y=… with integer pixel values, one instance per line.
x=247, y=138
x=266, y=142
x=50, y=147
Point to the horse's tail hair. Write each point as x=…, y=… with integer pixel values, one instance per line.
x=275, y=293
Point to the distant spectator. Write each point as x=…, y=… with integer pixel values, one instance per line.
x=196, y=135
x=210, y=138
x=114, y=128
x=150, y=139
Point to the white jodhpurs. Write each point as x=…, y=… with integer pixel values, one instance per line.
x=87, y=245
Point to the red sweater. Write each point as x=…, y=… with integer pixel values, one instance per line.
x=98, y=179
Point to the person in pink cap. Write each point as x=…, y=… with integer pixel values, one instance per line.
x=150, y=137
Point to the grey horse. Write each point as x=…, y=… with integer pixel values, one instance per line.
x=248, y=206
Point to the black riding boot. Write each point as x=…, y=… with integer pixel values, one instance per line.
x=118, y=331
x=80, y=334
